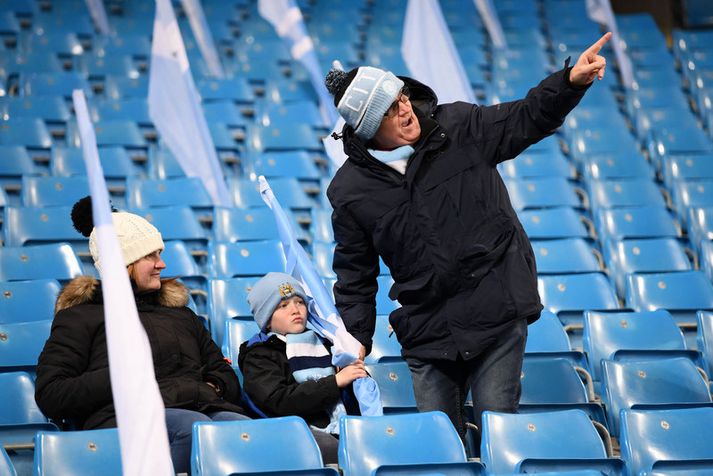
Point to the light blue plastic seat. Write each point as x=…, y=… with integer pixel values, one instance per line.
x=546, y=192
x=249, y=447
x=650, y=382
x=244, y=224
x=565, y=256
x=21, y=344
x=385, y=346
x=281, y=137
x=48, y=108
x=53, y=191
x=249, y=258
x=78, y=452
x=228, y=299
x=51, y=261
x=636, y=222
x=530, y=165
x=295, y=164
x=553, y=223
x=25, y=131
x=540, y=442
x=667, y=442
x=704, y=339
x=413, y=443
x=188, y=191
x=25, y=301
x=20, y=418
x=625, y=193
x=395, y=386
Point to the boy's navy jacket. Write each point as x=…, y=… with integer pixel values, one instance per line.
x=270, y=390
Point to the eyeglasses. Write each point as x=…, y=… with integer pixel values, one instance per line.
x=403, y=97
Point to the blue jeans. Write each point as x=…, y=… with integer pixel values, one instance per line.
x=179, y=423
x=493, y=378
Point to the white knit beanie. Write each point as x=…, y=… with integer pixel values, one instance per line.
x=137, y=238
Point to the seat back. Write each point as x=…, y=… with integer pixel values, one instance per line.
x=652, y=381
x=6, y=466
x=244, y=224
x=395, y=386
x=636, y=222
x=253, y=446
x=704, y=338
x=565, y=256
x=78, y=452
x=687, y=290
x=547, y=335
x=24, y=301
x=605, y=333
x=53, y=191
x=29, y=225
x=188, y=191
x=576, y=292
x=18, y=388
x=253, y=258
x=508, y=439
x=21, y=344
x=550, y=223
x=237, y=331
x=52, y=261
x=551, y=381
x=365, y=443
x=385, y=345
x=227, y=299
x=625, y=193
x=649, y=436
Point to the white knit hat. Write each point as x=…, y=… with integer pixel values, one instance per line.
x=137, y=238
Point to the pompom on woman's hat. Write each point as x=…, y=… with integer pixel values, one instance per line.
x=137, y=237
x=362, y=96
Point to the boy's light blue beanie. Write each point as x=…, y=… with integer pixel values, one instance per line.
x=365, y=98
x=267, y=293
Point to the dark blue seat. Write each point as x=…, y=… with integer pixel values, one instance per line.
x=56, y=84
x=413, y=443
x=235, y=89
x=235, y=333
x=14, y=163
x=176, y=223
x=288, y=191
x=25, y=301
x=540, y=442
x=668, y=442
x=249, y=447
x=650, y=382
x=78, y=452
x=694, y=194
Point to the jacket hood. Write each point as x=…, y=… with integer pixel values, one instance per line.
x=422, y=97
x=87, y=289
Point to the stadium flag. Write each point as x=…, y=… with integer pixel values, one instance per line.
x=175, y=107
x=286, y=17
x=98, y=14
x=430, y=54
x=492, y=22
x=140, y=414
x=600, y=11
x=323, y=316
x=203, y=36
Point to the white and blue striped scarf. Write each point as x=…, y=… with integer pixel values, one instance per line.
x=310, y=360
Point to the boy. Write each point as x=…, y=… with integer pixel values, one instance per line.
x=287, y=368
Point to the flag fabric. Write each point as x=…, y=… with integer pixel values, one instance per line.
x=286, y=17
x=175, y=108
x=203, y=36
x=140, y=414
x=430, y=54
x=98, y=14
x=601, y=11
x=492, y=22
x=323, y=315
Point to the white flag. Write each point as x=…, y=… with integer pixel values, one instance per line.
x=140, y=414
x=492, y=22
x=286, y=17
x=203, y=36
x=98, y=14
x=175, y=109
x=430, y=54
x=600, y=11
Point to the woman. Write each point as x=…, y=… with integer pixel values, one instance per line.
x=195, y=381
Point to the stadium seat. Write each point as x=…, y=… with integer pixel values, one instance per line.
x=631, y=335
x=322, y=225
x=236, y=332
x=385, y=346
x=21, y=344
x=554, y=223
x=384, y=304
x=53, y=191
x=25, y=131
x=546, y=192
x=56, y=84
x=24, y=301
x=249, y=258
x=20, y=418
x=652, y=381
x=33, y=226
x=687, y=167
x=234, y=89
x=163, y=165
x=395, y=386
x=52, y=261
x=118, y=87
x=122, y=133
x=305, y=112
x=78, y=452
x=414, y=443
x=250, y=447
x=531, y=165
x=226, y=112
x=176, y=223
x=704, y=339
x=694, y=194
x=228, y=299
x=115, y=162
x=281, y=137
x=128, y=109
x=6, y=466
x=566, y=256
x=181, y=264
x=651, y=255
x=625, y=193
x=47, y=108
x=682, y=293
x=667, y=442
x=298, y=164
x=288, y=191
x=546, y=335
x=244, y=224
x=547, y=441
x=146, y=193
x=617, y=166
x=636, y=222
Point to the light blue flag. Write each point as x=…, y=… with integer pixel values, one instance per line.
x=430, y=54
x=140, y=414
x=600, y=11
x=286, y=17
x=204, y=38
x=323, y=316
x=175, y=107
x=492, y=22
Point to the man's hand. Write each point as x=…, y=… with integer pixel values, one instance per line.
x=362, y=352
x=590, y=65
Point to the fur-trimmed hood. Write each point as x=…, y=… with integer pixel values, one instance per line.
x=86, y=289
